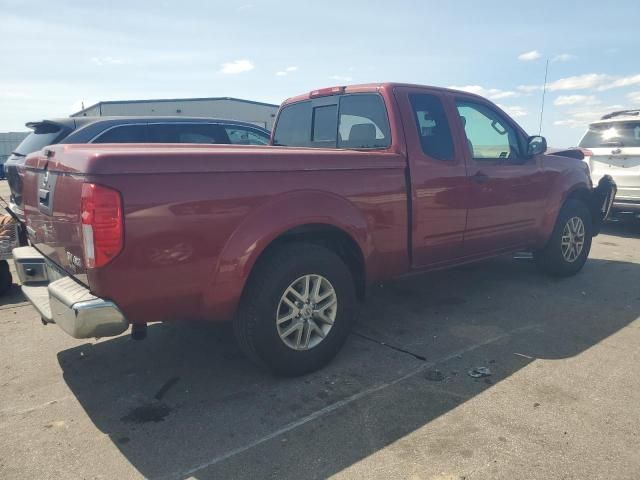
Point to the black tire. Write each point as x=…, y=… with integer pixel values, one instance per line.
x=6, y=280
x=550, y=259
x=255, y=324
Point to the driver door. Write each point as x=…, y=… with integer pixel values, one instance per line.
x=506, y=194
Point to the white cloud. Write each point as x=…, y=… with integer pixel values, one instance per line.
x=286, y=71
x=341, y=78
x=529, y=88
x=563, y=57
x=237, y=66
x=634, y=97
x=621, y=82
x=514, y=110
x=528, y=56
x=492, y=93
x=595, y=81
x=576, y=100
x=578, y=82
x=581, y=118
x=101, y=61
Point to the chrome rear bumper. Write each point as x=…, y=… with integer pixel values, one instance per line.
x=64, y=301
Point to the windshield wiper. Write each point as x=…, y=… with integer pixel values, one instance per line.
x=18, y=154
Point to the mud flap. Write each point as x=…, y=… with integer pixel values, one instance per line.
x=601, y=201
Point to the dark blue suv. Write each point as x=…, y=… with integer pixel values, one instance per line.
x=126, y=130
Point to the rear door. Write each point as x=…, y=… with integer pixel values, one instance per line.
x=616, y=152
x=506, y=190
x=438, y=177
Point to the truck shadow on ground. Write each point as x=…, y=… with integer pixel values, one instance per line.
x=625, y=227
x=13, y=296
x=186, y=403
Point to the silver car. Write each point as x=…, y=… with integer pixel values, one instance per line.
x=612, y=147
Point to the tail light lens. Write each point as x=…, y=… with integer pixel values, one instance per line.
x=102, y=224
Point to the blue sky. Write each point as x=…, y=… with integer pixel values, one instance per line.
x=56, y=55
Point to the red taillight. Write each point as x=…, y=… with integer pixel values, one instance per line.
x=102, y=224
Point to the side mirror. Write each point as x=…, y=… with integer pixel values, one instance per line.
x=536, y=145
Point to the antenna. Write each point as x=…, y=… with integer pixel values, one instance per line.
x=544, y=91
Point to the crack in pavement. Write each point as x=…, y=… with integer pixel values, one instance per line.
x=388, y=345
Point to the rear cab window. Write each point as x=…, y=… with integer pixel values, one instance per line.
x=355, y=121
x=612, y=134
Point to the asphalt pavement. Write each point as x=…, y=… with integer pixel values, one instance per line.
x=489, y=371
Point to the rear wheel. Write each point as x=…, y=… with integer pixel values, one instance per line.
x=297, y=309
x=6, y=280
x=568, y=248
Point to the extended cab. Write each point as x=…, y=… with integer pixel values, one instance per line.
x=361, y=184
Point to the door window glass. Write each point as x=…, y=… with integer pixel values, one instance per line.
x=489, y=135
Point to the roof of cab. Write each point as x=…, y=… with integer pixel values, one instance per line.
x=374, y=87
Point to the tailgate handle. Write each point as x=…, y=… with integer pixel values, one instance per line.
x=44, y=196
x=480, y=178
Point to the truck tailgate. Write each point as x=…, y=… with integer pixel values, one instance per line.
x=52, y=208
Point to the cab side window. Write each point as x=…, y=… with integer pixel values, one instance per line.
x=489, y=135
x=363, y=122
x=433, y=126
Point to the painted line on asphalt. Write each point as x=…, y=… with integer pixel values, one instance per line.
x=12, y=411
x=344, y=402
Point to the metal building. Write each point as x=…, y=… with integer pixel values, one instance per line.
x=8, y=143
x=259, y=113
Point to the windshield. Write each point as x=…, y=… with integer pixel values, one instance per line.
x=616, y=134
x=43, y=134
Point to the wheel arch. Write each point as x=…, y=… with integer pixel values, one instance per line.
x=567, y=188
x=311, y=217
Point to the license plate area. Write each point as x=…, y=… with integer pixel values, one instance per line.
x=54, y=272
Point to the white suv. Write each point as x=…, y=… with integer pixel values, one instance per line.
x=612, y=147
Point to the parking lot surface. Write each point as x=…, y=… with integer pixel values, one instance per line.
x=559, y=401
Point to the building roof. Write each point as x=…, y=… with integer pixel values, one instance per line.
x=156, y=100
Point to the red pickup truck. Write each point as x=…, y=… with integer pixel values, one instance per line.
x=361, y=184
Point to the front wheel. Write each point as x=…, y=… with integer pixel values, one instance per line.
x=297, y=309
x=568, y=248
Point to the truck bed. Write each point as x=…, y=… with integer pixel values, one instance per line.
x=194, y=214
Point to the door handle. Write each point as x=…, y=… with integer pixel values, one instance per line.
x=480, y=178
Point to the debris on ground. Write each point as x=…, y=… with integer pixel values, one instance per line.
x=479, y=372
x=434, y=375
